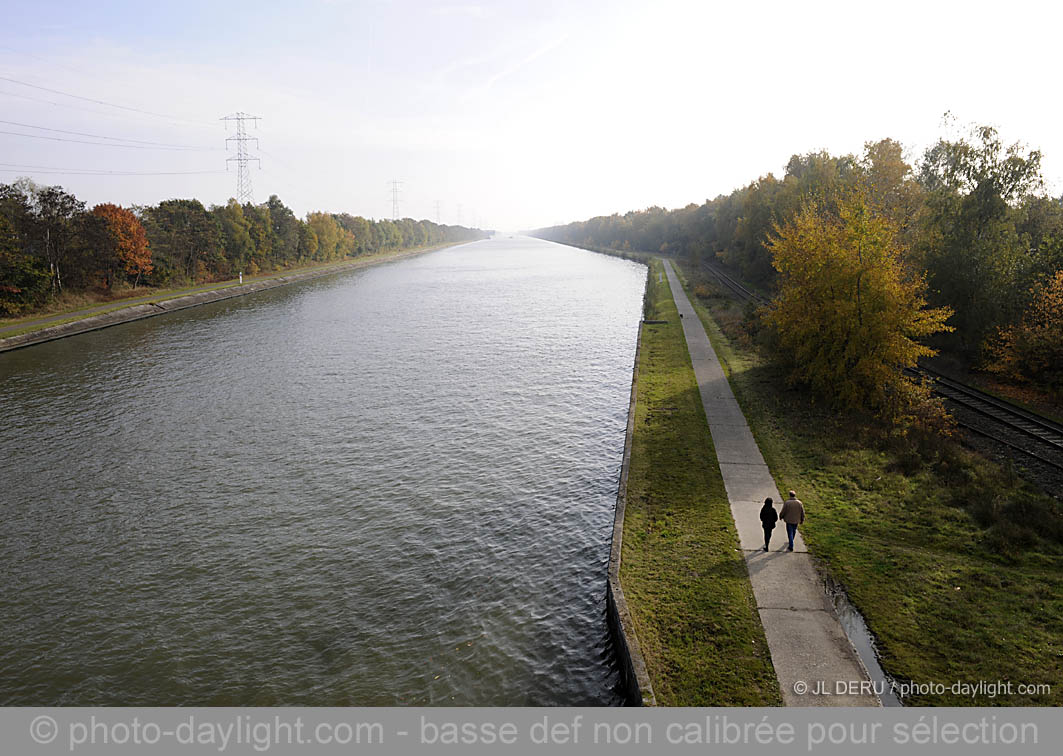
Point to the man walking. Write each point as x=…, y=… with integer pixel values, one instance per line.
x=793, y=514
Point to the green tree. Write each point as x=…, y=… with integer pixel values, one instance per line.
x=358, y=228
x=308, y=242
x=968, y=241
x=183, y=236
x=260, y=229
x=23, y=279
x=284, y=232
x=56, y=214
x=235, y=230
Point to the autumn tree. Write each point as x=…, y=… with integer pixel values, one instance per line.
x=849, y=313
x=328, y=234
x=1033, y=349
x=890, y=183
x=126, y=243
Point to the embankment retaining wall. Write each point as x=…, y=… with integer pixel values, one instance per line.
x=635, y=680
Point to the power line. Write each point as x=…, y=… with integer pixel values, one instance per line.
x=69, y=106
x=103, y=144
x=116, y=139
x=42, y=59
x=44, y=169
x=243, y=176
x=99, y=102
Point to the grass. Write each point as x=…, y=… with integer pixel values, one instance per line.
x=683, y=575
x=953, y=579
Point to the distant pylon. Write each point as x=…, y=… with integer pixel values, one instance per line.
x=395, y=199
x=244, y=192
x=437, y=212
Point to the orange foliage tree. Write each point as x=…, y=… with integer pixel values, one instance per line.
x=849, y=313
x=1033, y=349
x=128, y=244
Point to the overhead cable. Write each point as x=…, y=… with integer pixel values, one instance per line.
x=107, y=144
x=100, y=102
x=116, y=139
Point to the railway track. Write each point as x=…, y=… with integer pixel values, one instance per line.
x=1043, y=437
x=736, y=287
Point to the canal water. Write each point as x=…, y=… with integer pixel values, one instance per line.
x=389, y=486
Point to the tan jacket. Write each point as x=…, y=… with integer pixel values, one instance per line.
x=792, y=512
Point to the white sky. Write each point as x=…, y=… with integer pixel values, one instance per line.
x=524, y=113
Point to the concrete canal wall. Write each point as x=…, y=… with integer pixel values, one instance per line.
x=635, y=680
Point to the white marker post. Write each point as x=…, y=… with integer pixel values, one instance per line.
x=241, y=276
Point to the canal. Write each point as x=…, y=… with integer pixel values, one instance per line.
x=389, y=486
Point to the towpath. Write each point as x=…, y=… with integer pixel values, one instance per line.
x=814, y=660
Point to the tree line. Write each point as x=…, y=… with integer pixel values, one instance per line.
x=51, y=242
x=968, y=237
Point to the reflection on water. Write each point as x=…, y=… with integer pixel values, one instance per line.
x=863, y=641
x=392, y=486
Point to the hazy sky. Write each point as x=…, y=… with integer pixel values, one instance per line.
x=525, y=113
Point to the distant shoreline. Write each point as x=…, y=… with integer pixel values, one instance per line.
x=184, y=301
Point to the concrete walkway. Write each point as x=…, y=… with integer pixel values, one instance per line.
x=807, y=644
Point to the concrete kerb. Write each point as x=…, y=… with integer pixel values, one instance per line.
x=635, y=678
x=138, y=312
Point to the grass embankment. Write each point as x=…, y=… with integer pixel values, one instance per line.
x=683, y=576
x=952, y=578
x=72, y=306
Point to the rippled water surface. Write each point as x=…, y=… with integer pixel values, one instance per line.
x=390, y=486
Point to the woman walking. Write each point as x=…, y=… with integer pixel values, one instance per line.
x=768, y=518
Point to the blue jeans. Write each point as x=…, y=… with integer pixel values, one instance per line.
x=791, y=531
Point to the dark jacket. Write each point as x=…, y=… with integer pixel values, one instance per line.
x=768, y=517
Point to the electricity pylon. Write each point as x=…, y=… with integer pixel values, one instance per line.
x=243, y=175
x=395, y=199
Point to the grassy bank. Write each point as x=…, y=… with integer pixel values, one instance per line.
x=683, y=576
x=74, y=306
x=953, y=578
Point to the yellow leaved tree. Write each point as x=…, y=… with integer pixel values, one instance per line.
x=849, y=313
x=1033, y=349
